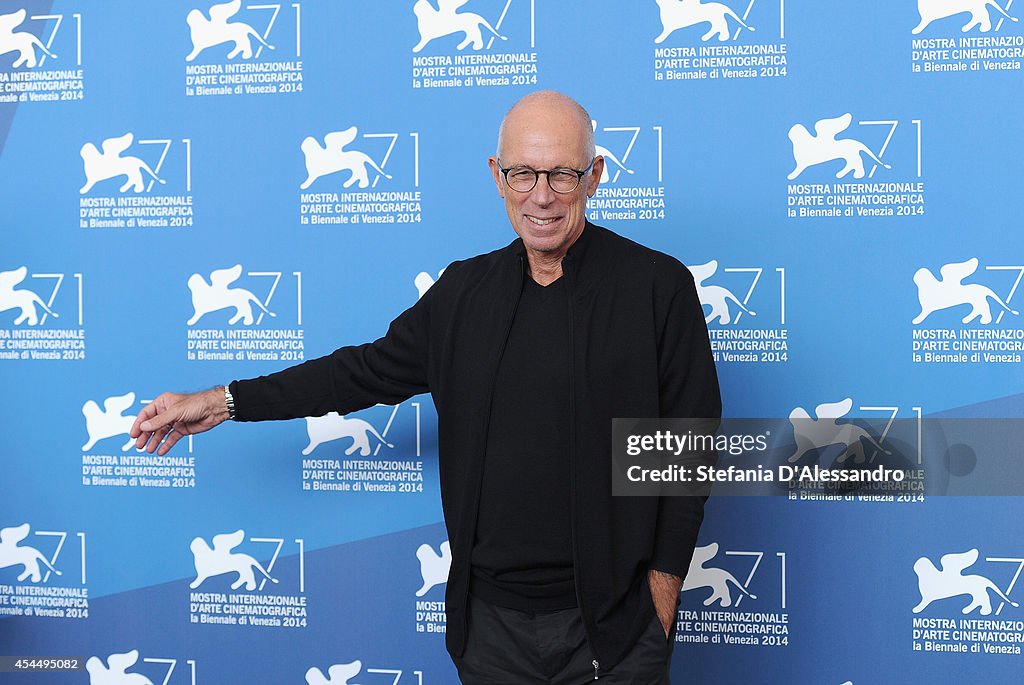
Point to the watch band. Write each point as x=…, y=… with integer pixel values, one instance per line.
x=229, y=400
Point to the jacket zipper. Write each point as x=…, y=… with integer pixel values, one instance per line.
x=570, y=291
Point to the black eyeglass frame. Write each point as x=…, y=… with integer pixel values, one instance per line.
x=547, y=175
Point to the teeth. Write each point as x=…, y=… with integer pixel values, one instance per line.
x=540, y=222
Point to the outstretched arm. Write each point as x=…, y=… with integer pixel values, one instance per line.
x=390, y=370
x=351, y=378
x=164, y=421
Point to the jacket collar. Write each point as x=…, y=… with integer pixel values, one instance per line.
x=576, y=252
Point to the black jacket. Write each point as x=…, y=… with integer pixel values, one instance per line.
x=639, y=348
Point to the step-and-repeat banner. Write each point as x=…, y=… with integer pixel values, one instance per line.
x=193, y=193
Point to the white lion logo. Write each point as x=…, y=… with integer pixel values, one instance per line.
x=332, y=157
x=609, y=156
x=339, y=674
x=434, y=567
x=825, y=430
x=218, y=560
x=333, y=426
x=931, y=10
x=115, y=672
x=216, y=295
x=100, y=166
x=29, y=558
x=715, y=297
x=678, y=14
x=424, y=282
x=23, y=42
x=949, y=582
x=809, y=150
x=936, y=294
x=697, y=576
x=446, y=20
x=207, y=33
x=110, y=421
x=23, y=298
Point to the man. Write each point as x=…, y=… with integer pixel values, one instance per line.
x=529, y=353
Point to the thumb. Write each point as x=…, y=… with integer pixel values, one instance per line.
x=168, y=415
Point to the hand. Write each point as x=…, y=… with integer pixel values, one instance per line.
x=665, y=595
x=164, y=421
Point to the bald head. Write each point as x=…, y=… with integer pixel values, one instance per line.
x=551, y=111
x=546, y=133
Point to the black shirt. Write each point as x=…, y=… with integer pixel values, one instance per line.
x=522, y=556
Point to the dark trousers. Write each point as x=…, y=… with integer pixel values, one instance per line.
x=509, y=647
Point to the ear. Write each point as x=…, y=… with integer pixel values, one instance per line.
x=499, y=180
x=595, y=175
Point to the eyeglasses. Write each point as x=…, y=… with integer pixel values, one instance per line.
x=562, y=180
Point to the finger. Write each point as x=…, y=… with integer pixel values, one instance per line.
x=148, y=412
x=158, y=436
x=142, y=439
x=161, y=419
x=149, y=437
x=145, y=436
x=172, y=438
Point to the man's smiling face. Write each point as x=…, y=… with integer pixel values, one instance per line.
x=547, y=132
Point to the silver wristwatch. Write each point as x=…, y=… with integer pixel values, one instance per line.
x=229, y=400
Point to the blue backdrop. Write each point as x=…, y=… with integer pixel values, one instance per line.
x=196, y=193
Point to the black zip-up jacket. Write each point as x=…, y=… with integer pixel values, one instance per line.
x=639, y=348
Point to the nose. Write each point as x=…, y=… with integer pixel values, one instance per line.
x=542, y=193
